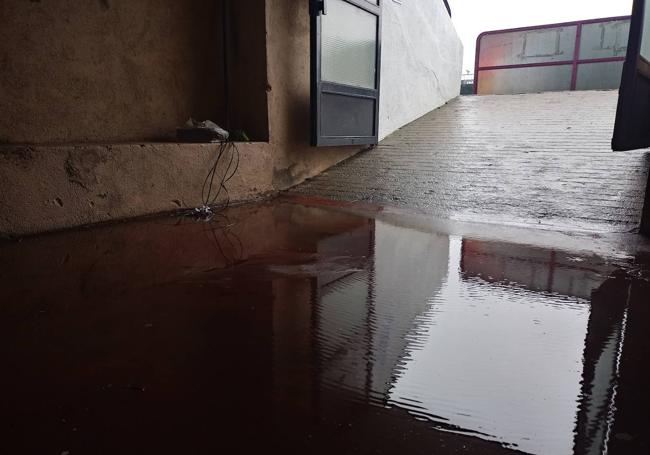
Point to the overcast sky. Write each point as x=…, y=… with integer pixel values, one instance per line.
x=472, y=17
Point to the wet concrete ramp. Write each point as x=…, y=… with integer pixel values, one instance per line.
x=535, y=159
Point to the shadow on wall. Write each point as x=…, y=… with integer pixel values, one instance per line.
x=118, y=71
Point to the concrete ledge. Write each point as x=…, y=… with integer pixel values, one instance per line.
x=46, y=188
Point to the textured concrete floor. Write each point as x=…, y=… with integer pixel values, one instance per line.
x=536, y=159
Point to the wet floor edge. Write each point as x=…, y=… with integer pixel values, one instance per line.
x=612, y=245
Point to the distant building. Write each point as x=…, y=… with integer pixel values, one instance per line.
x=467, y=84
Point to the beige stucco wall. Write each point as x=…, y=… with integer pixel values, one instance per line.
x=54, y=187
x=107, y=71
x=45, y=186
x=287, y=24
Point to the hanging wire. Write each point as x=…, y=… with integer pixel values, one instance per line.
x=215, y=182
x=219, y=230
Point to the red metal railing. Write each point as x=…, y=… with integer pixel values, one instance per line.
x=576, y=54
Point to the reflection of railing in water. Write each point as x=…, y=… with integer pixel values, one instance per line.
x=537, y=270
x=605, y=331
x=356, y=364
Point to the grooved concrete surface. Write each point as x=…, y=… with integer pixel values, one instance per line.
x=534, y=159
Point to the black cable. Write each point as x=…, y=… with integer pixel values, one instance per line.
x=234, y=251
x=223, y=180
x=213, y=170
x=209, y=183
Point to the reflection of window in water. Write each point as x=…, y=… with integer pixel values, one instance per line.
x=544, y=43
x=645, y=41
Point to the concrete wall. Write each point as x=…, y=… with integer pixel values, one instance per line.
x=246, y=69
x=87, y=91
x=421, y=62
x=287, y=26
x=107, y=71
x=123, y=71
x=46, y=187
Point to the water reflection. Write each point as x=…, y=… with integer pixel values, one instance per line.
x=478, y=338
x=314, y=330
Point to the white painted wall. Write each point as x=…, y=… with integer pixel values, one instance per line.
x=421, y=61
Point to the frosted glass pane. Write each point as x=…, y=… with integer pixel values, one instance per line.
x=645, y=42
x=599, y=76
x=525, y=80
x=529, y=46
x=604, y=39
x=349, y=45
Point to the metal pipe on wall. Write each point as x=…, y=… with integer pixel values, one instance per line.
x=226, y=26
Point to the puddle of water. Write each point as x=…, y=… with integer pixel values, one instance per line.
x=316, y=330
